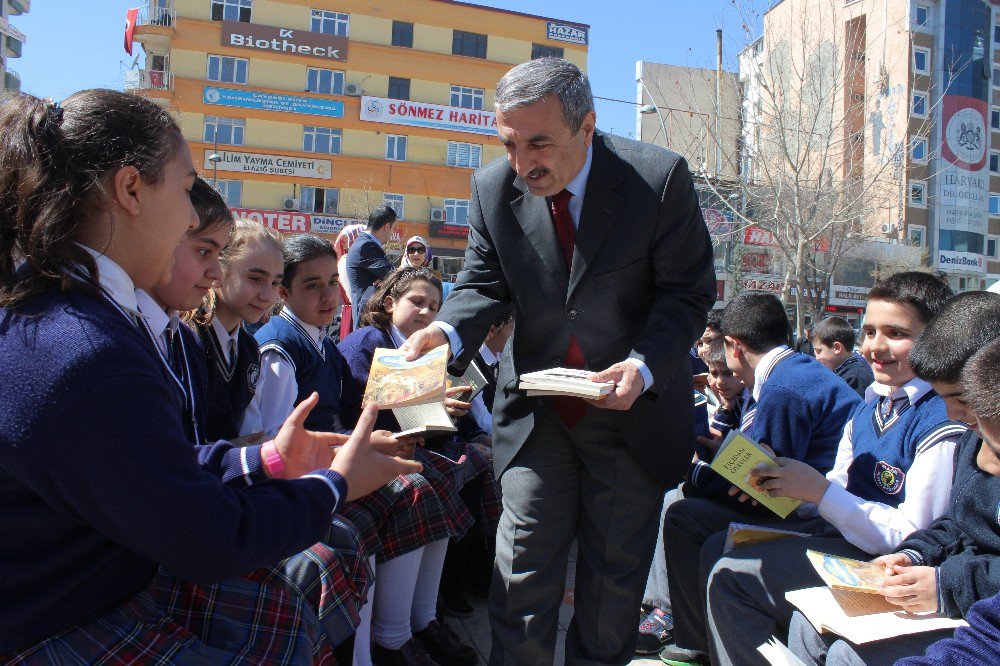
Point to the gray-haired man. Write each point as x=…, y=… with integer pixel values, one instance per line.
x=600, y=244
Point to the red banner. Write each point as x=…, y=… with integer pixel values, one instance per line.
x=131, y=17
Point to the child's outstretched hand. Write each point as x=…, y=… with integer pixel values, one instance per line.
x=791, y=478
x=914, y=589
x=711, y=443
x=362, y=467
x=303, y=451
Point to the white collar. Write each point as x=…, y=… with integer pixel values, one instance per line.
x=314, y=332
x=114, y=280
x=156, y=318
x=488, y=356
x=578, y=185
x=397, y=337
x=914, y=389
x=227, y=340
x=764, y=368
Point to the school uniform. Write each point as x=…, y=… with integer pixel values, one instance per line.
x=100, y=486
x=798, y=408
x=856, y=373
x=892, y=477
x=233, y=367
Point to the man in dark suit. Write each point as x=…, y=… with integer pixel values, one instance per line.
x=600, y=245
x=367, y=262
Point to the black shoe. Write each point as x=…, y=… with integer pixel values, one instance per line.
x=454, y=604
x=411, y=653
x=655, y=631
x=671, y=654
x=445, y=647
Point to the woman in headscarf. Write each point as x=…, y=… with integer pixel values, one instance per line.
x=417, y=254
x=345, y=239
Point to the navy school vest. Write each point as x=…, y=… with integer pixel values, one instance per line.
x=231, y=385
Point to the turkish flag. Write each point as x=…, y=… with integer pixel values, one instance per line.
x=131, y=18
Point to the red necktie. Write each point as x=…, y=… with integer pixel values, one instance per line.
x=570, y=410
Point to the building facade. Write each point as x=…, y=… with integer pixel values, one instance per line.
x=12, y=42
x=319, y=110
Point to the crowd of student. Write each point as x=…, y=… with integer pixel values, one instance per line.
x=174, y=487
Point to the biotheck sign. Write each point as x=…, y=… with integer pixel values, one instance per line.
x=284, y=40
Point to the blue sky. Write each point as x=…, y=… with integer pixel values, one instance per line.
x=75, y=44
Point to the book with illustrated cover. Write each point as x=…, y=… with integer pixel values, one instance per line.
x=473, y=378
x=428, y=419
x=395, y=382
x=861, y=617
x=843, y=573
x=740, y=535
x=566, y=382
x=734, y=460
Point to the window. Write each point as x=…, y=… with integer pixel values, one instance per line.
x=995, y=204
x=321, y=140
x=395, y=202
x=231, y=191
x=922, y=16
x=319, y=199
x=457, y=211
x=918, y=193
x=227, y=70
x=921, y=60
x=915, y=234
x=326, y=81
x=543, y=51
x=996, y=77
x=468, y=44
x=330, y=23
x=224, y=130
x=402, y=34
x=994, y=118
x=994, y=162
x=991, y=247
x=996, y=34
x=467, y=98
x=231, y=10
x=919, y=106
x=399, y=88
x=395, y=147
x=467, y=155
x=158, y=63
x=918, y=149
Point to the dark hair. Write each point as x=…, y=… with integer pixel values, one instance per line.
x=211, y=207
x=55, y=162
x=381, y=216
x=715, y=352
x=714, y=320
x=758, y=320
x=923, y=292
x=964, y=325
x=980, y=381
x=395, y=284
x=833, y=329
x=300, y=249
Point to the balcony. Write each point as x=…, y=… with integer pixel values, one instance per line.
x=17, y=7
x=155, y=28
x=12, y=45
x=11, y=81
x=157, y=16
x=148, y=79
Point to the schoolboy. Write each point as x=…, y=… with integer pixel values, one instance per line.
x=959, y=549
x=833, y=345
x=799, y=410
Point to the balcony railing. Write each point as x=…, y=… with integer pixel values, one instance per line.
x=11, y=80
x=148, y=79
x=160, y=16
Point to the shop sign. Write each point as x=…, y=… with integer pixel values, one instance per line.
x=771, y=283
x=251, y=99
x=848, y=296
x=445, y=230
x=294, y=222
x=271, y=165
x=284, y=40
x=431, y=116
x=719, y=222
x=757, y=262
x=755, y=235
x=564, y=32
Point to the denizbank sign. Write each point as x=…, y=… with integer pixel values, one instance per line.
x=271, y=165
x=271, y=39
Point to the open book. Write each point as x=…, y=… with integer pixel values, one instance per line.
x=843, y=573
x=564, y=381
x=861, y=617
x=742, y=534
x=429, y=419
x=395, y=382
x=734, y=460
x=777, y=654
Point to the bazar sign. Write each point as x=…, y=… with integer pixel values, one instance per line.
x=773, y=284
x=755, y=235
x=432, y=116
x=293, y=222
x=284, y=40
x=563, y=32
x=249, y=99
x=271, y=165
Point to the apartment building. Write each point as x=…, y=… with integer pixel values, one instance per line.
x=308, y=113
x=12, y=42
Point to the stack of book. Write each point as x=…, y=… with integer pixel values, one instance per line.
x=565, y=382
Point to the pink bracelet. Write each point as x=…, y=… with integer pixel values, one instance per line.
x=273, y=463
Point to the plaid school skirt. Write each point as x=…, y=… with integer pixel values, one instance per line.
x=451, y=464
x=295, y=612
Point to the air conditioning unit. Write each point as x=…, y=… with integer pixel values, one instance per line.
x=353, y=90
x=438, y=215
x=889, y=228
x=290, y=203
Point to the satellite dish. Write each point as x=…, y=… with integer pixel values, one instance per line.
x=135, y=62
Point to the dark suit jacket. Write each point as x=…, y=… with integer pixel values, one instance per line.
x=367, y=264
x=640, y=286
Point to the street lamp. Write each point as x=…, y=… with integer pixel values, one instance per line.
x=653, y=108
x=215, y=158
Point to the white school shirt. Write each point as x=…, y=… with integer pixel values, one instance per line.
x=277, y=388
x=482, y=415
x=115, y=281
x=158, y=320
x=878, y=528
x=228, y=341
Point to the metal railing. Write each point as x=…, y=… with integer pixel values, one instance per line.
x=160, y=16
x=148, y=79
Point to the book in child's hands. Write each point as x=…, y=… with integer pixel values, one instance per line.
x=395, y=382
x=734, y=460
x=429, y=419
x=743, y=534
x=564, y=381
x=473, y=378
x=843, y=573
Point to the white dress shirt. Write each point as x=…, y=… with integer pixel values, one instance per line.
x=158, y=320
x=482, y=415
x=115, y=281
x=228, y=341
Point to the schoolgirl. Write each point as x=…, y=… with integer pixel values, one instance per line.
x=101, y=490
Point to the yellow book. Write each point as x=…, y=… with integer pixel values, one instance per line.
x=396, y=382
x=734, y=460
x=843, y=573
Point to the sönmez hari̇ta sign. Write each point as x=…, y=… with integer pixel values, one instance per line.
x=284, y=40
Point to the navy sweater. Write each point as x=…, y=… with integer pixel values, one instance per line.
x=99, y=484
x=856, y=373
x=975, y=645
x=964, y=544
